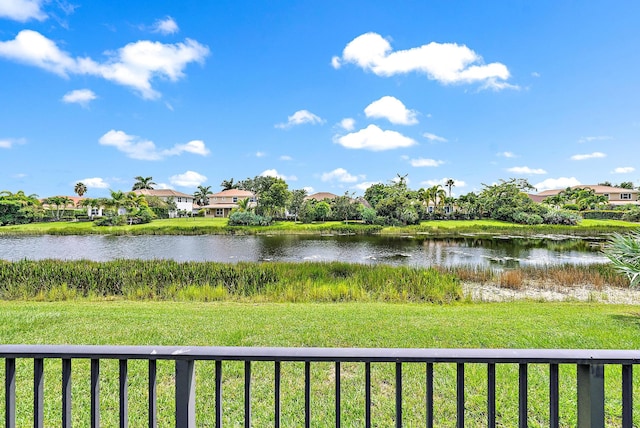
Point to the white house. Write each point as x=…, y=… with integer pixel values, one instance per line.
x=184, y=201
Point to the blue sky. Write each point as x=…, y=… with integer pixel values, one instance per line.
x=329, y=95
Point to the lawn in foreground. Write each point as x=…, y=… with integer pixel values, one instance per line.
x=506, y=325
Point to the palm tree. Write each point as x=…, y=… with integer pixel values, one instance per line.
x=450, y=183
x=437, y=196
x=134, y=200
x=243, y=204
x=80, y=188
x=143, y=183
x=228, y=184
x=60, y=202
x=201, y=196
x=117, y=201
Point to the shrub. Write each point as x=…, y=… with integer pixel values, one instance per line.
x=248, y=218
x=527, y=218
x=624, y=253
x=561, y=217
x=114, y=220
x=602, y=214
x=632, y=214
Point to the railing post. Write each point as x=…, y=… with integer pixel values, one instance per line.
x=10, y=392
x=66, y=392
x=185, y=394
x=590, y=396
x=38, y=392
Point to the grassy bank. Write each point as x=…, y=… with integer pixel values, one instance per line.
x=202, y=226
x=513, y=325
x=54, y=280
x=210, y=281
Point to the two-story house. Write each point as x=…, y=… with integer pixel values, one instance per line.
x=184, y=201
x=221, y=204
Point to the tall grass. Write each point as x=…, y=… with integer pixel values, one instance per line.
x=55, y=280
x=206, y=281
x=566, y=275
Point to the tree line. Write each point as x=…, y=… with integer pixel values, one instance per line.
x=391, y=203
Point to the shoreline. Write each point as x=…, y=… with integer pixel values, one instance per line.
x=550, y=292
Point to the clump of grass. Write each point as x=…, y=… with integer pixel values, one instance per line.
x=512, y=279
x=470, y=273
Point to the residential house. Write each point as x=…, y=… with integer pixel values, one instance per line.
x=184, y=201
x=615, y=195
x=221, y=204
x=321, y=196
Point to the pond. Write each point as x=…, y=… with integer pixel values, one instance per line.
x=505, y=251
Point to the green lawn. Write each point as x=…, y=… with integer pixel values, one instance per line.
x=200, y=225
x=506, y=325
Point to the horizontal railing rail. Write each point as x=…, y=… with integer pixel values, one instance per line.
x=590, y=387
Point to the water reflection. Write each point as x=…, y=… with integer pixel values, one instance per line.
x=420, y=250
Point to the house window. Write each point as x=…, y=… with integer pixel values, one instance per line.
x=179, y=199
x=235, y=199
x=219, y=212
x=430, y=209
x=95, y=211
x=625, y=196
x=606, y=195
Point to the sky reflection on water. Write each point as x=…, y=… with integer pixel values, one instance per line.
x=414, y=251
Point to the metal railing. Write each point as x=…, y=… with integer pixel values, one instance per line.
x=590, y=400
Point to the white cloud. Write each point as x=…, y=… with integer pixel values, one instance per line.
x=79, y=96
x=348, y=124
x=374, y=138
x=341, y=175
x=365, y=185
x=623, y=170
x=196, y=147
x=535, y=74
x=135, y=65
x=286, y=158
x=22, y=10
x=507, y=155
x=260, y=154
x=165, y=26
x=95, y=183
x=276, y=174
x=335, y=62
x=433, y=137
x=7, y=143
x=594, y=155
x=526, y=170
x=300, y=118
x=446, y=63
x=310, y=190
x=597, y=138
x=420, y=162
x=556, y=183
x=188, y=179
x=138, y=148
x=392, y=109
